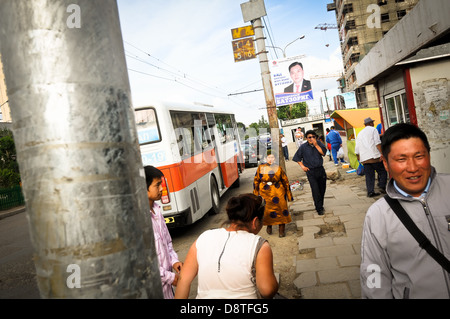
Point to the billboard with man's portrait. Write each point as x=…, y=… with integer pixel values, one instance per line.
x=289, y=83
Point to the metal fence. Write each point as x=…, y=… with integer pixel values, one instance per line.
x=11, y=197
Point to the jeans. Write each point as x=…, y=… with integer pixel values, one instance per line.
x=334, y=150
x=318, y=181
x=369, y=171
x=286, y=152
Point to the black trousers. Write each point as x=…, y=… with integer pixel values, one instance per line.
x=318, y=181
x=369, y=171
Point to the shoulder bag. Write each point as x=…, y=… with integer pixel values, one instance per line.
x=423, y=241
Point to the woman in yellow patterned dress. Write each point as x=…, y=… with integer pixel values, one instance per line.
x=272, y=184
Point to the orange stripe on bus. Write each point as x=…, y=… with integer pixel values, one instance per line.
x=229, y=171
x=183, y=174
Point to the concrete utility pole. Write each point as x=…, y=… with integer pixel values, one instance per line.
x=77, y=149
x=253, y=11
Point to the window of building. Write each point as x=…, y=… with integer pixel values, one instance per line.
x=397, y=108
x=350, y=25
x=353, y=41
x=348, y=8
x=355, y=57
x=397, y=1
x=401, y=14
x=385, y=17
x=382, y=2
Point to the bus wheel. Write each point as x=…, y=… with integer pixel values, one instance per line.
x=215, y=197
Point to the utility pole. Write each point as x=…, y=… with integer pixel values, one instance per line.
x=77, y=149
x=253, y=11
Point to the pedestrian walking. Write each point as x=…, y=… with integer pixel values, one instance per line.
x=284, y=145
x=368, y=152
x=328, y=145
x=393, y=263
x=310, y=158
x=334, y=138
x=272, y=184
x=168, y=258
x=299, y=137
x=232, y=262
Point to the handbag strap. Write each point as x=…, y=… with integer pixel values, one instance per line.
x=423, y=241
x=261, y=242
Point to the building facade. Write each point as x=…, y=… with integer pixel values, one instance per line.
x=361, y=24
x=318, y=123
x=410, y=69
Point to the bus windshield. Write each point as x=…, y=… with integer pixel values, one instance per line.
x=147, y=126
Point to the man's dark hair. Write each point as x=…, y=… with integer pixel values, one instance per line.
x=401, y=131
x=294, y=64
x=311, y=132
x=151, y=173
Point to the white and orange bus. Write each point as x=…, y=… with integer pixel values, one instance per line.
x=198, y=150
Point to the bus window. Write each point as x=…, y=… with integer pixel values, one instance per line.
x=191, y=132
x=206, y=138
x=147, y=126
x=225, y=127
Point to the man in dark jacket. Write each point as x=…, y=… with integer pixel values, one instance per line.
x=310, y=158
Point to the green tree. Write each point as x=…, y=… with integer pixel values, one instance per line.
x=9, y=169
x=254, y=126
x=298, y=110
x=262, y=123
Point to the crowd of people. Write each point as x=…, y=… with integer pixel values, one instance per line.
x=233, y=261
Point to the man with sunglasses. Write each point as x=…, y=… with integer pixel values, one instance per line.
x=310, y=158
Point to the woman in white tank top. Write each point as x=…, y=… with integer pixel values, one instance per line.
x=232, y=262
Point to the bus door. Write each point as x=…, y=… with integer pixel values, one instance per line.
x=227, y=148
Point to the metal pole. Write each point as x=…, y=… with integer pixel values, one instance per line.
x=268, y=91
x=77, y=149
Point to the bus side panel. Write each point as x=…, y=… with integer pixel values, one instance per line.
x=190, y=170
x=230, y=171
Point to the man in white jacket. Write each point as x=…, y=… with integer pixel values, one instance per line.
x=393, y=265
x=368, y=152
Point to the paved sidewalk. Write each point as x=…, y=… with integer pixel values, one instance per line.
x=327, y=264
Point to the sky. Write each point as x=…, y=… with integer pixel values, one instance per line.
x=182, y=51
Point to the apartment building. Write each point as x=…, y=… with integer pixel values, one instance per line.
x=410, y=68
x=361, y=24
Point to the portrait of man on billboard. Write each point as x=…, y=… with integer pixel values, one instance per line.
x=288, y=78
x=297, y=75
